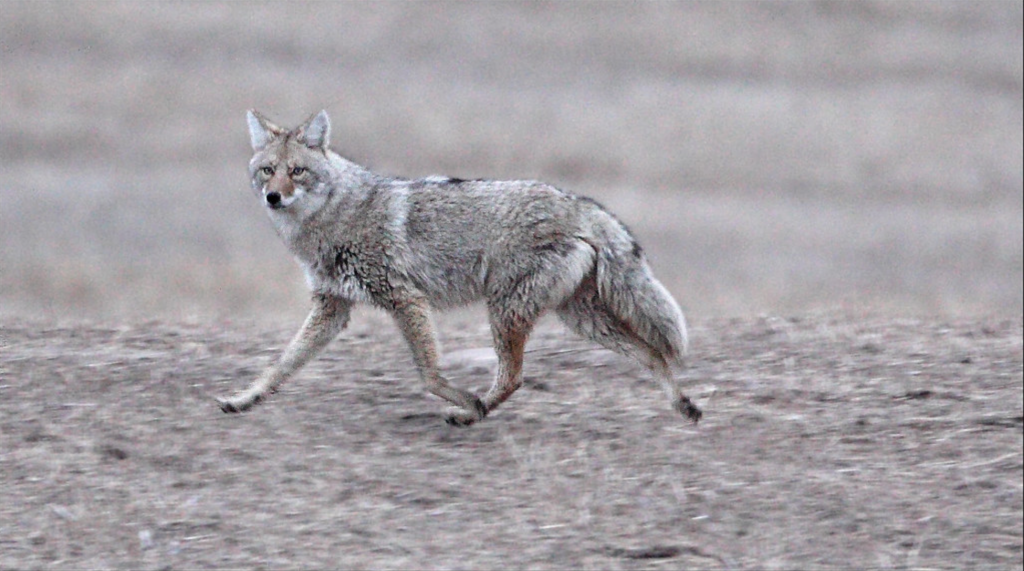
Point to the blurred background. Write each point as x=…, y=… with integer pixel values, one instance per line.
x=772, y=157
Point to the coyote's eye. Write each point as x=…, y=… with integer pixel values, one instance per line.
x=298, y=171
x=269, y=171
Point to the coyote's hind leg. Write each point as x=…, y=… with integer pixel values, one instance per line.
x=529, y=287
x=509, y=344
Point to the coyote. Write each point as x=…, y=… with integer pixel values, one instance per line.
x=408, y=246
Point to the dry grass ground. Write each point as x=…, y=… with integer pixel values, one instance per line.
x=830, y=441
x=853, y=167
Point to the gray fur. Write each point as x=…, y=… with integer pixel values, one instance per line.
x=406, y=246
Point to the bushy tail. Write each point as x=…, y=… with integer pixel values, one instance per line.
x=628, y=288
x=639, y=300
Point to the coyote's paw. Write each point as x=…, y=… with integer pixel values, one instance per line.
x=238, y=404
x=686, y=407
x=457, y=416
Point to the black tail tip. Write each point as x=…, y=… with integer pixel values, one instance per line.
x=686, y=407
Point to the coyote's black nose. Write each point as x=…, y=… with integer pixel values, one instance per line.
x=273, y=198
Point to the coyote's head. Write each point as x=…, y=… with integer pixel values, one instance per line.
x=290, y=169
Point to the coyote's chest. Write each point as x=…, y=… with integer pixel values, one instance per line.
x=344, y=250
x=351, y=270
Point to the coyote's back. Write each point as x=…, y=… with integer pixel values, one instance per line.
x=406, y=246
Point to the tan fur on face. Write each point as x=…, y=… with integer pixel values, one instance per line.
x=281, y=183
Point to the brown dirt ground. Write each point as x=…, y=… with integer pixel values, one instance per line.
x=829, y=441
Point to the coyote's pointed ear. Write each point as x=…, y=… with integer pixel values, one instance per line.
x=261, y=131
x=316, y=133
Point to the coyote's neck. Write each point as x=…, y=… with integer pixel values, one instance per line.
x=350, y=175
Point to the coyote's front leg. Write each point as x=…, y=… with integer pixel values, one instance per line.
x=327, y=318
x=413, y=317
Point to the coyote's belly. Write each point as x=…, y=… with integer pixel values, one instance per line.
x=448, y=277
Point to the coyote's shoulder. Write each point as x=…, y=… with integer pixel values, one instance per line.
x=523, y=247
